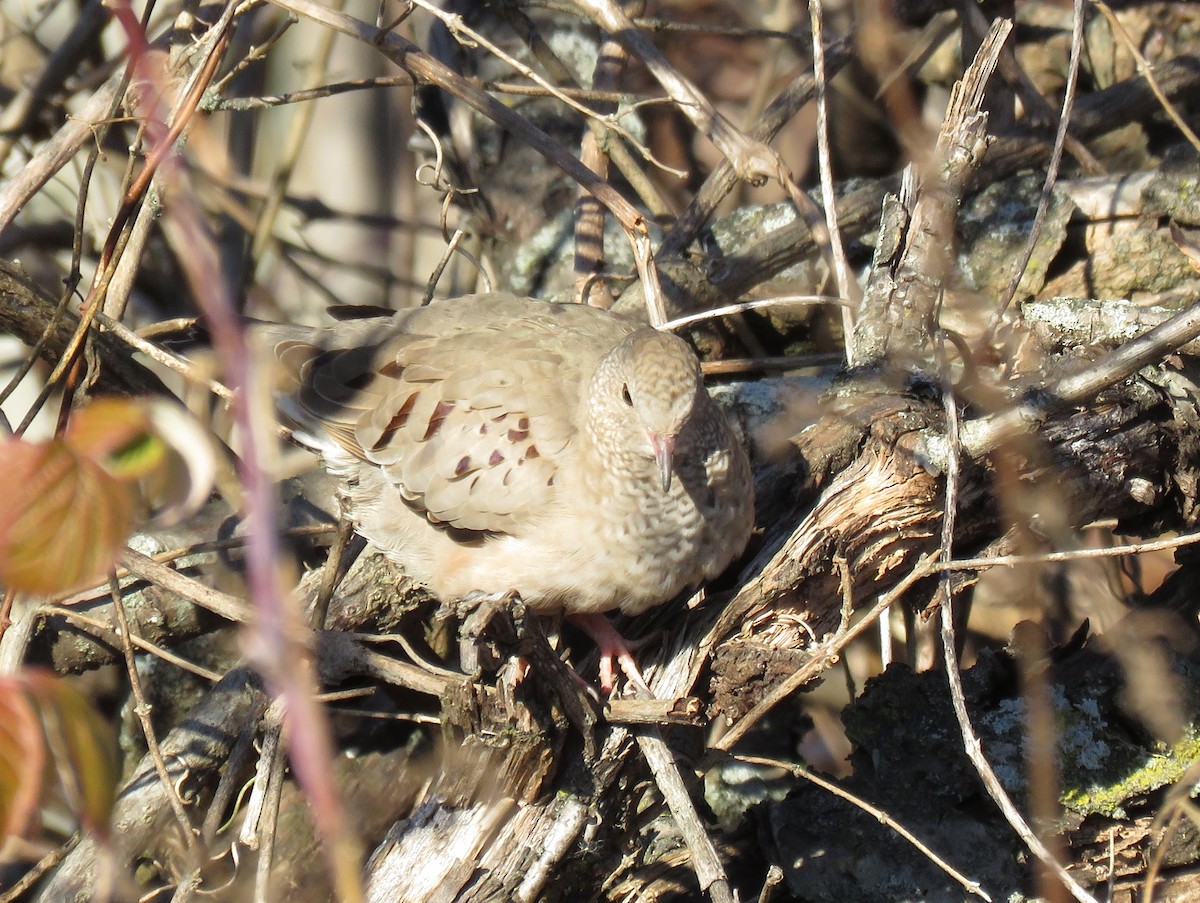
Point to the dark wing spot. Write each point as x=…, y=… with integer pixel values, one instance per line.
x=523, y=424
x=531, y=453
x=463, y=466
x=399, y=419
x=518, y=435
x=495, y=458
x=392, y=369
x=440, y=413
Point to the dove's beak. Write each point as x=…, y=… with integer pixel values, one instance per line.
x=664, y=453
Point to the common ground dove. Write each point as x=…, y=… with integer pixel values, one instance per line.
x=494, y=444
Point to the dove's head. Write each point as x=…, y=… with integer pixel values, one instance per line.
x=650, y=382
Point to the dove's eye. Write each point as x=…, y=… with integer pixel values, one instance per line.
x=628, y=399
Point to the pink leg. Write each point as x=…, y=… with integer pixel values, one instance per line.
x=611, y=645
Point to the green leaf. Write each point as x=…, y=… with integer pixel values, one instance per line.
x=117, y=435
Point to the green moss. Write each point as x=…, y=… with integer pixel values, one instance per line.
x=1087, y=792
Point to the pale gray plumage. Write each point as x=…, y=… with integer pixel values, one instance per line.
x=493, y=443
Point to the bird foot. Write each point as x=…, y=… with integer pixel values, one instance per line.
x=612, y=646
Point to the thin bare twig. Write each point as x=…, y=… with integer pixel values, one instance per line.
x=741, y=306
x=705, y=862
x=979, y=437
x=39, y=870
x=773, y=880
x=652, y=23
x=457, y=26
x=265, y=820
x=319, y=611
x=293, y=144
x=825, y=654
x=751, y=159
x=254, y=55
x=427, y=70
x=848, y=287
x=971, y=887
x=611, y=60
x=171, y=361
x=142, y=710
x=1136, y=548
x=229, y=607
x=731, y=366
x=591, y=95
x=722, y=179
x=444, y=261
x=1146, y=69
x=105, y=633
x=971, y=744
x=1060, y=137
x=434, y=176
x=268, y=101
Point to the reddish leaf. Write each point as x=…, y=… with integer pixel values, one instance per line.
x=44, y=720
x=22, y=760
x=65, y=518
x=80, y=745
x=69, y=504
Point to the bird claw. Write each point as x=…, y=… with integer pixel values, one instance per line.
x=628, y=667
x=612, y=646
